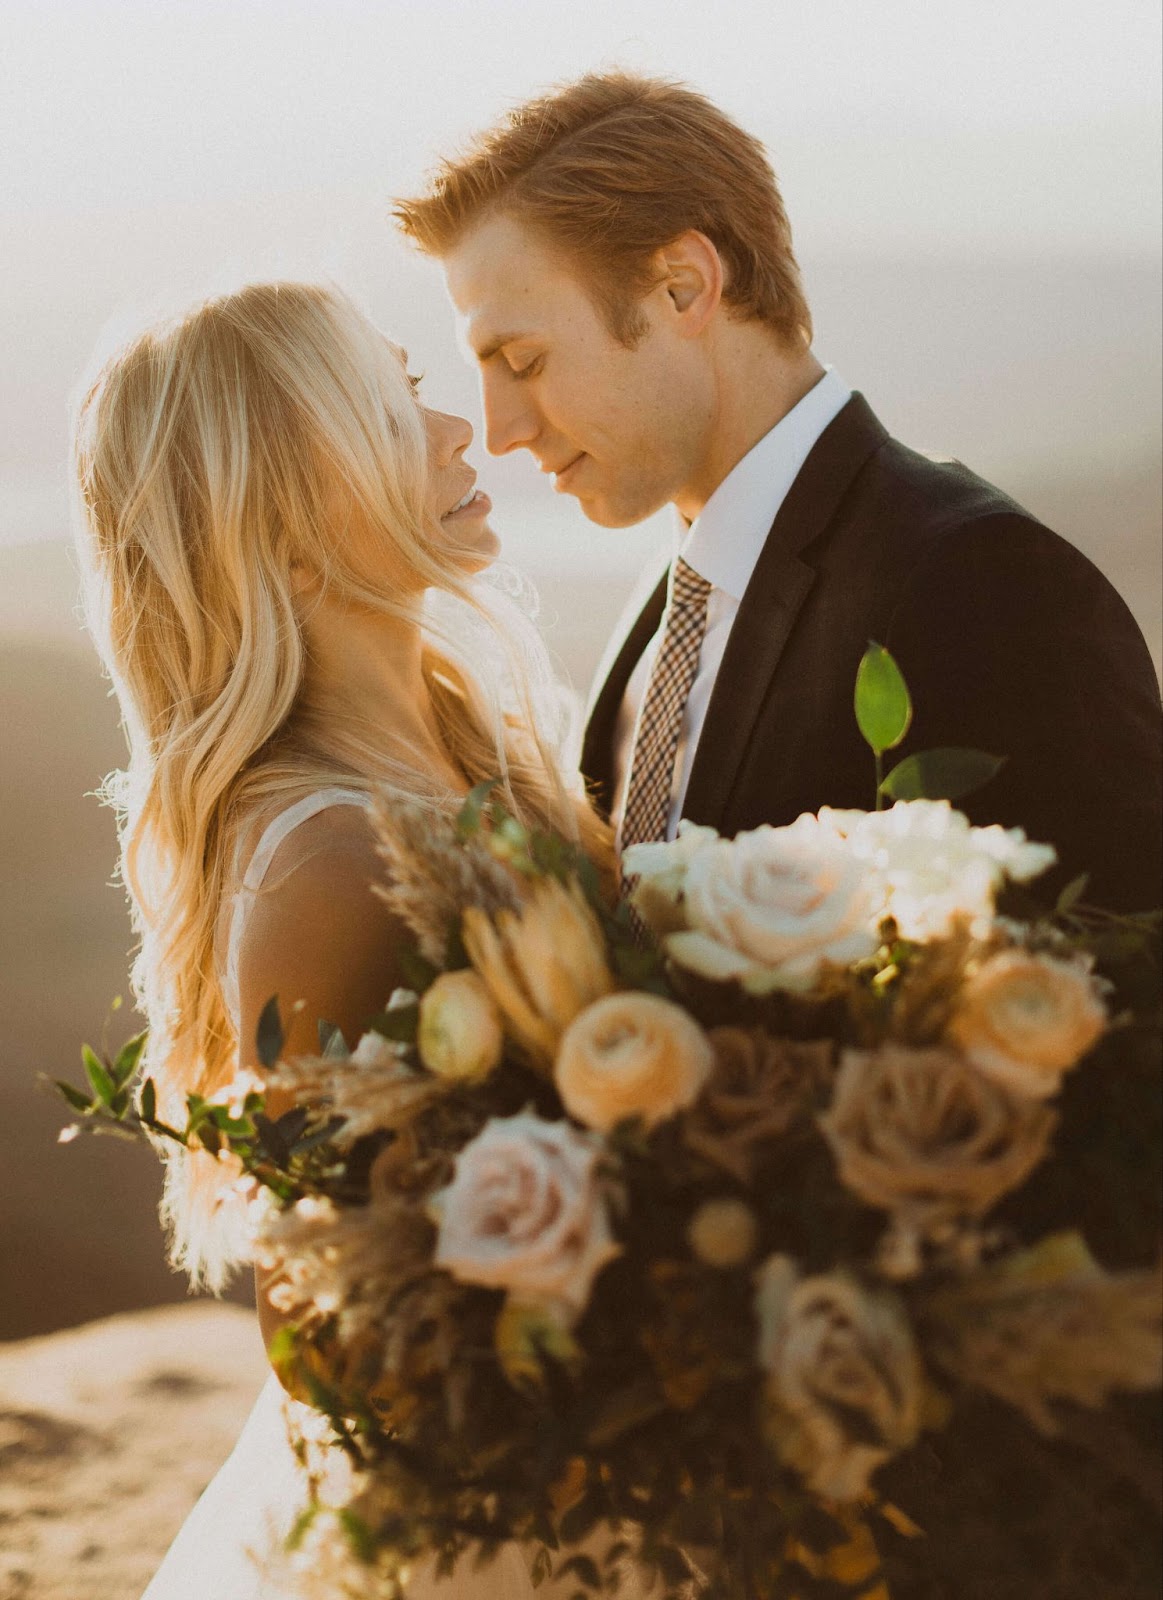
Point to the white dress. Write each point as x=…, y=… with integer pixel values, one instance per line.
x=252, y=1501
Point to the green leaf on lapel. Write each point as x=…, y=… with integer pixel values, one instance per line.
x=943, y=774
x=883, y=707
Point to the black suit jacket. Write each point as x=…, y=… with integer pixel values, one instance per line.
x=1010, y=639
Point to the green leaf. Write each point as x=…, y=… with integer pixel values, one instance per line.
x=942, y=774
x=417, y=973
x=1072, y=894
x=883, y=707
x=128, y=1057
x=103, y=1086
x=78, y=1101
x=269, y=1036
x=398, y=1024
x=468, y=821
x=148, y=1100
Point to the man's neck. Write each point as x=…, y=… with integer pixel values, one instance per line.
x=759, y=381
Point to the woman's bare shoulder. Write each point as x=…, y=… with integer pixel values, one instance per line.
x=317, y=932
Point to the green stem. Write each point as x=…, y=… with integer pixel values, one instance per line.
x=879, y=758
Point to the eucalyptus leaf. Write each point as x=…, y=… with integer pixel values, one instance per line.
x=269, y=1035
x=148, y=1100
x=941, y=774
x=103, y=1086
x=883, y=708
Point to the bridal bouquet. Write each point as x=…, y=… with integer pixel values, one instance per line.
x=654, y=1250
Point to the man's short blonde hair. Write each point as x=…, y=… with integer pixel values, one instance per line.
x=611, y=169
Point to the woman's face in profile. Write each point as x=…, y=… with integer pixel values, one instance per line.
x=460, y=511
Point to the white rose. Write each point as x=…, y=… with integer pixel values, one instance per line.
x=525, y=1212
x=934, y=867
x=771, y=907
x=844, y=1378
x=656, y=873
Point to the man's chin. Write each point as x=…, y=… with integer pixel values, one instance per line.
x=606, y=515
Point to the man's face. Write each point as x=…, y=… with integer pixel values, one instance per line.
x=624, y=431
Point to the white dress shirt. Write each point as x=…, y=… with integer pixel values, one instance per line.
x=723, y=544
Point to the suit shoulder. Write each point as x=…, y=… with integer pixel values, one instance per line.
x=937, y=490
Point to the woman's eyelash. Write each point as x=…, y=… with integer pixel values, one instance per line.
x=532, y=369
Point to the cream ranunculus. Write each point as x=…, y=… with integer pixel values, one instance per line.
x=631, y=1055
x=934, y=867
x=1025, y=1019
x=460, y=1034
x=525, y=1212
x=542, y=964
x=844, y=1381
x=772, y=907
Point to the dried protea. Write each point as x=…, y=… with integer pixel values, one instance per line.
x=543, y=963
x=759, y=1086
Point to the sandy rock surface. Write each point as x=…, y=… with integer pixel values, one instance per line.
x=108, y=1434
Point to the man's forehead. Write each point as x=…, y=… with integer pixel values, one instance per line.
x=503, y=283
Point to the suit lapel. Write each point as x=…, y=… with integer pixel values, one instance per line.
x=597, y=762
x=768, y=611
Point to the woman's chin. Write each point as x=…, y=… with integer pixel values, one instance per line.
x=473, y=552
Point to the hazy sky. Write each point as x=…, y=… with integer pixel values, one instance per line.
x=153, y=146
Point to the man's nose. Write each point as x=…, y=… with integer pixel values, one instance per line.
x=510, y=420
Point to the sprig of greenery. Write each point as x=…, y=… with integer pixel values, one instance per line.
x=290, y=1154
x=884, y=714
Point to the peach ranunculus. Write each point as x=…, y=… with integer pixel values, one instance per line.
x=1027, y=1018
x=459, y=1033
x=844, y=1380
x=542, y=964
x=631, y=1055
x=934, y=867
x=772, y=907
x=525, y=1212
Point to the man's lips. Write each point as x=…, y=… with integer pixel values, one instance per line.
x=562, y=475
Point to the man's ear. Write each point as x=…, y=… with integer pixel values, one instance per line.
x=690, y=272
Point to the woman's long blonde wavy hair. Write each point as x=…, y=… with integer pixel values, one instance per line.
x=208, y=454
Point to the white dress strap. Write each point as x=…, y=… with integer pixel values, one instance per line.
x=272, y=836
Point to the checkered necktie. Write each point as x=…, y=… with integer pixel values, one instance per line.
x=652, y=765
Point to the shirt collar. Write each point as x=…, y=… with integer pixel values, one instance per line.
x=724, y=541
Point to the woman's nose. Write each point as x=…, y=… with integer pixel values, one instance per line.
x=448, y=435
